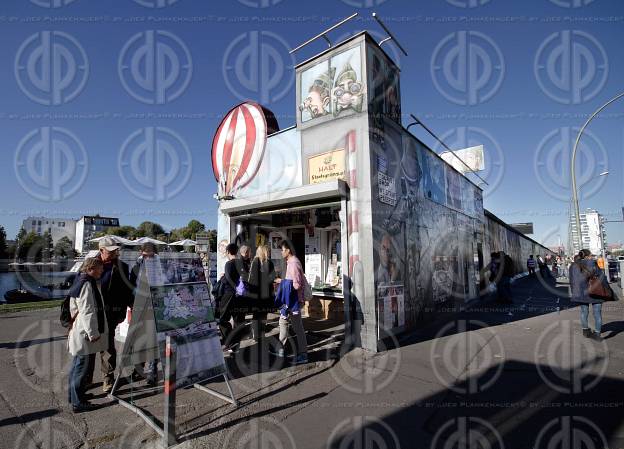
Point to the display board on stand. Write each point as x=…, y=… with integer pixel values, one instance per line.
x=173, y=322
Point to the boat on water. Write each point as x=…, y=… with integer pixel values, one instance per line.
x=41, y=286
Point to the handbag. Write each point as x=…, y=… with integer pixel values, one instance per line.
x=241, y=288
x=595, y=287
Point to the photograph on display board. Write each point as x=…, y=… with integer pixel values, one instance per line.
x=453, y=188
x=434, y=184
x=183, y=269
x=181, y=306
x=348, y=89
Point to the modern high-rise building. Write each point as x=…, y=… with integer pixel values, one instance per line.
x=593, y=234
x=57, y=227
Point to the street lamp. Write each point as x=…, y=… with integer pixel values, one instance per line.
x=573, y=164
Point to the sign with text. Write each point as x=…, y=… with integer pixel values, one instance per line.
x=327, y=166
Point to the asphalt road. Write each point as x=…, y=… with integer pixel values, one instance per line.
x=519, y=376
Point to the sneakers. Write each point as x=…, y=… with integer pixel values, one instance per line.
x=107, y=386
x=587, y=333
x=301, y=359
x=83, y=407
x=596, y=336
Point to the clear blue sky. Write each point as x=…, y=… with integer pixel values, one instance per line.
x=518, y=116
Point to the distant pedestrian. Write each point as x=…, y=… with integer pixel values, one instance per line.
x=531, y=264
x=88, y=333
x=261, y=292
x=291, y=297
x=580, y=273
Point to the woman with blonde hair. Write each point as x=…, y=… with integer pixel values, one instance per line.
x=261, y=277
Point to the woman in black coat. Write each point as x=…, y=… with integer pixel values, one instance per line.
x=261, y=277
x=580, y=272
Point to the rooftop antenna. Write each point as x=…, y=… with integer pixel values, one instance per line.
x=324, y=34
x=389, y=33
x=418, y=122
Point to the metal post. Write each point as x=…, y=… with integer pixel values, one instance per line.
x=573, y=165
x=169, y=435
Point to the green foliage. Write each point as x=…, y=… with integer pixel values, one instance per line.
x=149, y=229
x=3, y=244
x=128, y=232
x=30, y=247
x=64, y=248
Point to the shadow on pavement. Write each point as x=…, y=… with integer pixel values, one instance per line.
x=546, y=407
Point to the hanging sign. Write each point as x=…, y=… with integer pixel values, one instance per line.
x=327, y=166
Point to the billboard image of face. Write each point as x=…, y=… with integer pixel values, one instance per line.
x=316, y=85
x=348, y=90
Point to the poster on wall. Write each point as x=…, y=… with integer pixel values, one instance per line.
x=275, y=239
x=434, y=184
x=445, y=274
x=387, y=189
x=332, y=87
x=327, y=166
x=453, y=188
x=391, y=302
x=313, y=259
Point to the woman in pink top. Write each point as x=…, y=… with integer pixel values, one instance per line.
x=294, y=272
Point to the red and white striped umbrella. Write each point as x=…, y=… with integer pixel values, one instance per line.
x=238, y=147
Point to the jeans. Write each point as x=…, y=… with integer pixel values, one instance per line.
x=77, y=374
x=597, y=309
x=297, y=324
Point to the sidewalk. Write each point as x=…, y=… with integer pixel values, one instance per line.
x=513, y=377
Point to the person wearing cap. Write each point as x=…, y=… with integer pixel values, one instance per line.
x=117, y=292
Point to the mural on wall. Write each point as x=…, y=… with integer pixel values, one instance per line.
x=348, y=91
x=332, y=86
x=468, y=196
x=453, y=188
x=434, y=184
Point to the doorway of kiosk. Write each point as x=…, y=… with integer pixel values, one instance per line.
x=315, y=232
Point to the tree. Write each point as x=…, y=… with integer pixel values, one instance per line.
x=149, y=229
x=128, y=232
x=3, y=244
x=30, y=247
x=212, y=240
x=47, y=246
x=64, y=248
x=193, y=227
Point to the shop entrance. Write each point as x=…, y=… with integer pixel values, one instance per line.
x=315, y=232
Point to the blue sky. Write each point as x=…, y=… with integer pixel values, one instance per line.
x=510, y=108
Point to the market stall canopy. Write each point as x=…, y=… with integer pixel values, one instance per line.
x=143, y=240
x=185, y=242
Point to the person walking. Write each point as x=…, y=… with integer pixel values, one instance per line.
x=118, y=295
x=506, y=272
x=580, y=273
x=542, y=266
x=88, y=333
x=261, y=278
x=226, y=295
x=531, y=264
x=290, y=297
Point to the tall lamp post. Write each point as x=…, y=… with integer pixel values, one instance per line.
x=573, y=164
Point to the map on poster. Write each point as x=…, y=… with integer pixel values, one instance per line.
x=184, y=308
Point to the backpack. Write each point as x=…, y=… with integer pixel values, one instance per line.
x=66, y=319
